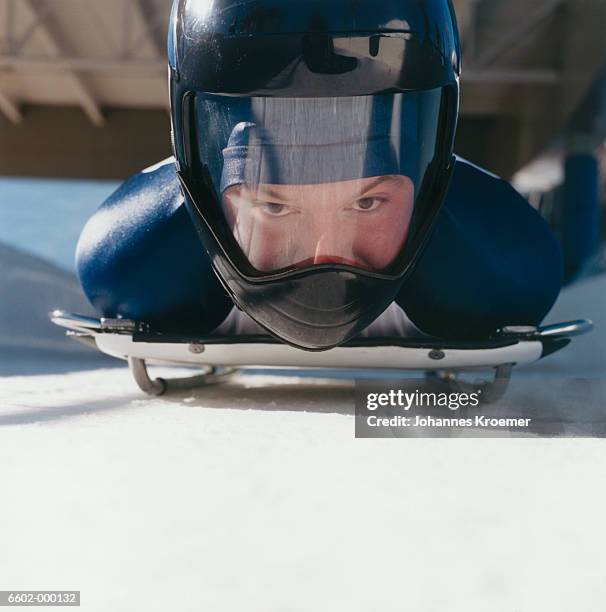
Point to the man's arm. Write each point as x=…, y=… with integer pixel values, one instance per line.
x=139, y=257
x=491, y=261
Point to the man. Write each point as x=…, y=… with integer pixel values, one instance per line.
x=315, y=189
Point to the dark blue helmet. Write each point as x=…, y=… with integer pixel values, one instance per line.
x=313, y=140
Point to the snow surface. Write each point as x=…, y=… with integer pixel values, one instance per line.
x=254, y=495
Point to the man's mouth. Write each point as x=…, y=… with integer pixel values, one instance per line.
x=331, y=259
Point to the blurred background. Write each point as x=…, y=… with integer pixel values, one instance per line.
x=84, y=104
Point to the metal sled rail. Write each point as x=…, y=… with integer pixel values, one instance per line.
x=221, y=356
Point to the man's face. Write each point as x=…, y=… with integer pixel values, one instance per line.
x=362, y=222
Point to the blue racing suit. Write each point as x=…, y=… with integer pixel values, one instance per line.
x=490, y=261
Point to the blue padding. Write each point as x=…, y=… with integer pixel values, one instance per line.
x=491, y=261
x=139, y=257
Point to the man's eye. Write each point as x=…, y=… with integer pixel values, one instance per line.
x=273, y=208
x=367, y=204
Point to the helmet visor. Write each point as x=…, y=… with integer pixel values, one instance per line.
x=302, y=182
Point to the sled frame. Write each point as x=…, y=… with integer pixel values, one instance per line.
x=443, y=360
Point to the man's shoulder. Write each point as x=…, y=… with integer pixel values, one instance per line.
x=158, y=182
x=473, y=186
x=144, y=201
x=463, y=165
x=160, y=168
x=155, y=188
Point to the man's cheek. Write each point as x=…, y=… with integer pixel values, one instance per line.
x=370, y=247
x=268, y=247
x=379, y=243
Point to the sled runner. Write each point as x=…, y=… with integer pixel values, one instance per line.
x=221, y=356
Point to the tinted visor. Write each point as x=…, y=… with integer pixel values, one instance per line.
x=308, y=181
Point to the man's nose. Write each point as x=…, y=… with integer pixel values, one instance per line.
x=330, y=246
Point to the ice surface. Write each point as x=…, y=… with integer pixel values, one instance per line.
x=29, y=343
x=259, y=498
x=45, y=216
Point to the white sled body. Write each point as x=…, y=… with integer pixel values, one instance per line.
x=246, y=354
x=220, y=356
x=515, y=345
